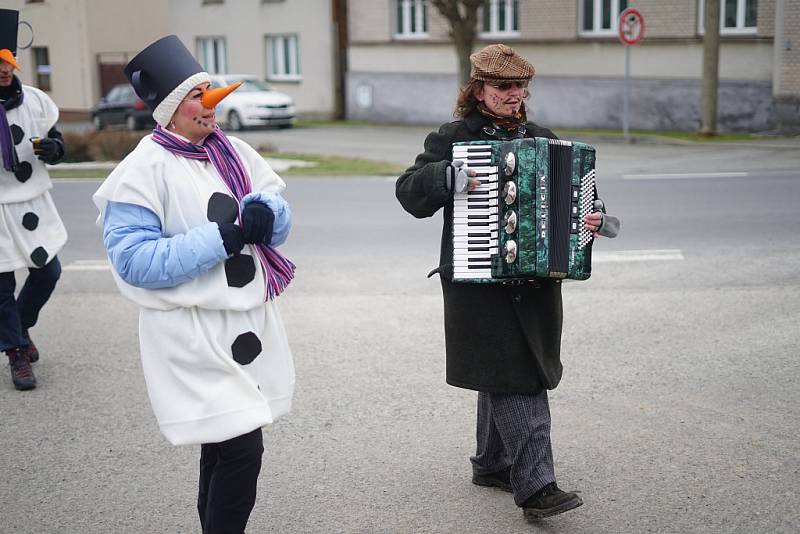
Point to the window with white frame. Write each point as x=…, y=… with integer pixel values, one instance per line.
x=283, y=57
x=411, y=18
x=500, y=17
x=600, y=17
x=735, y=17
x=212, y=55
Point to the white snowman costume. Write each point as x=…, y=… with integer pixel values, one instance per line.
x=31, y=231
x=215, y=355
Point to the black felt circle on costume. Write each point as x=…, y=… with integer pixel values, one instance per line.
x=24, y=171
x=246, y=348
x=30, y=221
x=222, y=208
x=39, y=257
x=17, y=133
x=240, y=270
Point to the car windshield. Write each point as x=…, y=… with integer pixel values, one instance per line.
x=250, y=85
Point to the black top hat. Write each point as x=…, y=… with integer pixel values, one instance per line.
x=161, y=67
x=9, y=25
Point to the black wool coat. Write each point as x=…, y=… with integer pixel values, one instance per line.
x=501, y=338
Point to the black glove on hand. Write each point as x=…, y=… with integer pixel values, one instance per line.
x=231, y=237
x=48, y=150
x=257, y=221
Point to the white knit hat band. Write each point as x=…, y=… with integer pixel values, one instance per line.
x=166, y=108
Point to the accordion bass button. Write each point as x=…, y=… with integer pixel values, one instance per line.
x=510, y=222
x=510, y=251
x=510, y=193
x=511, y=163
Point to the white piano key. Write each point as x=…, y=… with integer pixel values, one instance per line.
x=471, y=275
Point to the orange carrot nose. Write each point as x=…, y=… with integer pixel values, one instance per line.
x=6, y=55
x=212, y=97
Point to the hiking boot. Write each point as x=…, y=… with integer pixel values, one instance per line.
x=33, y=352
x=498, y=479
x=549, y=501
x=21, y=371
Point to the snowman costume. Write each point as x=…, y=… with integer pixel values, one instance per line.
x=214, y=352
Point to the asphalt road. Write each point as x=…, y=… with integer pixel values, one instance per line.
x=678, y=411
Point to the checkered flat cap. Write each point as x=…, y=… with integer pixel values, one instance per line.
x=500, y=62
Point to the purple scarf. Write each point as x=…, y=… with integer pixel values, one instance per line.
x=10, y=159
x=278, y=271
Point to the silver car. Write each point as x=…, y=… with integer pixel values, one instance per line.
x=255, y=103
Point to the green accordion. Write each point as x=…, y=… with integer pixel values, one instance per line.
x=525, y=220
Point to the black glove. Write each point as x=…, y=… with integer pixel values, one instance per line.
x=48, y=150
x=231, y=237
x=257, y=221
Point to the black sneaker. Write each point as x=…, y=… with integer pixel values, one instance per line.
x=549, y=501
x=498, y=479
x=33, y=352
x=21, y=371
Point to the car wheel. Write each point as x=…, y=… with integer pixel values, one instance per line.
x=131, y=123
x=234, y=121
x=285, y=126
x=97, y=123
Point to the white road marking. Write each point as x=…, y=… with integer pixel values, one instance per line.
x=616, y=256
x=685, y=176
x=88, y=265
x=626, y=256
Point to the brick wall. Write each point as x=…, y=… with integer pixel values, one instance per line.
x=370, y=20
x=668, y=18
x=548, y=19
x=790, y=66
x=766, y=18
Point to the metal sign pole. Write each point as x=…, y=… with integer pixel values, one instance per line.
x=626, y=94
x=631, y=31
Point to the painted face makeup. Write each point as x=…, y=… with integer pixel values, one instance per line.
x=503, y=99
x=191, y=119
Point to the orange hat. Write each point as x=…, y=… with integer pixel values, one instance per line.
x=7, y=55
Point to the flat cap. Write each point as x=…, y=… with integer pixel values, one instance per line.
x=500, y=62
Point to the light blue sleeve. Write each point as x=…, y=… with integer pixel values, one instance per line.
x=143, y=257
x=281, y=209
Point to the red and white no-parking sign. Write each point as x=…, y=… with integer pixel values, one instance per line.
x=631, y=26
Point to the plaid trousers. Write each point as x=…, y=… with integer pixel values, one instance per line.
x=515, y=430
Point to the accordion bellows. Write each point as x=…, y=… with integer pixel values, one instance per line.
x=525, y=221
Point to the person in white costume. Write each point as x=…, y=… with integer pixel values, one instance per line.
x=31, y=231
x=191, y=219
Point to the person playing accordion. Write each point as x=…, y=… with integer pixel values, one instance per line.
x=502, y=339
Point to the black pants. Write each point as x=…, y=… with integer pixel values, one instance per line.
x=20, y=314
x=228, y=478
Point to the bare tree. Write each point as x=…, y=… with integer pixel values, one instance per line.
x=462, y=15
x=708, y=124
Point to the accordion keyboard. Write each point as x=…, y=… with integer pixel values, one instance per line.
x=475, y=216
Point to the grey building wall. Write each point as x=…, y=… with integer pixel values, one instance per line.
x=672, y=104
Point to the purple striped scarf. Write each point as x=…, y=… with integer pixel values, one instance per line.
x=10, y=160
x=278, y=270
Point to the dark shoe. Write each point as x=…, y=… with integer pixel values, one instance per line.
x=33, y=352
x=549, y=501
x=498, y=479
x=21, y=371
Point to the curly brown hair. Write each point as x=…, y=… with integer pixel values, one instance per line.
x=467, y=102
